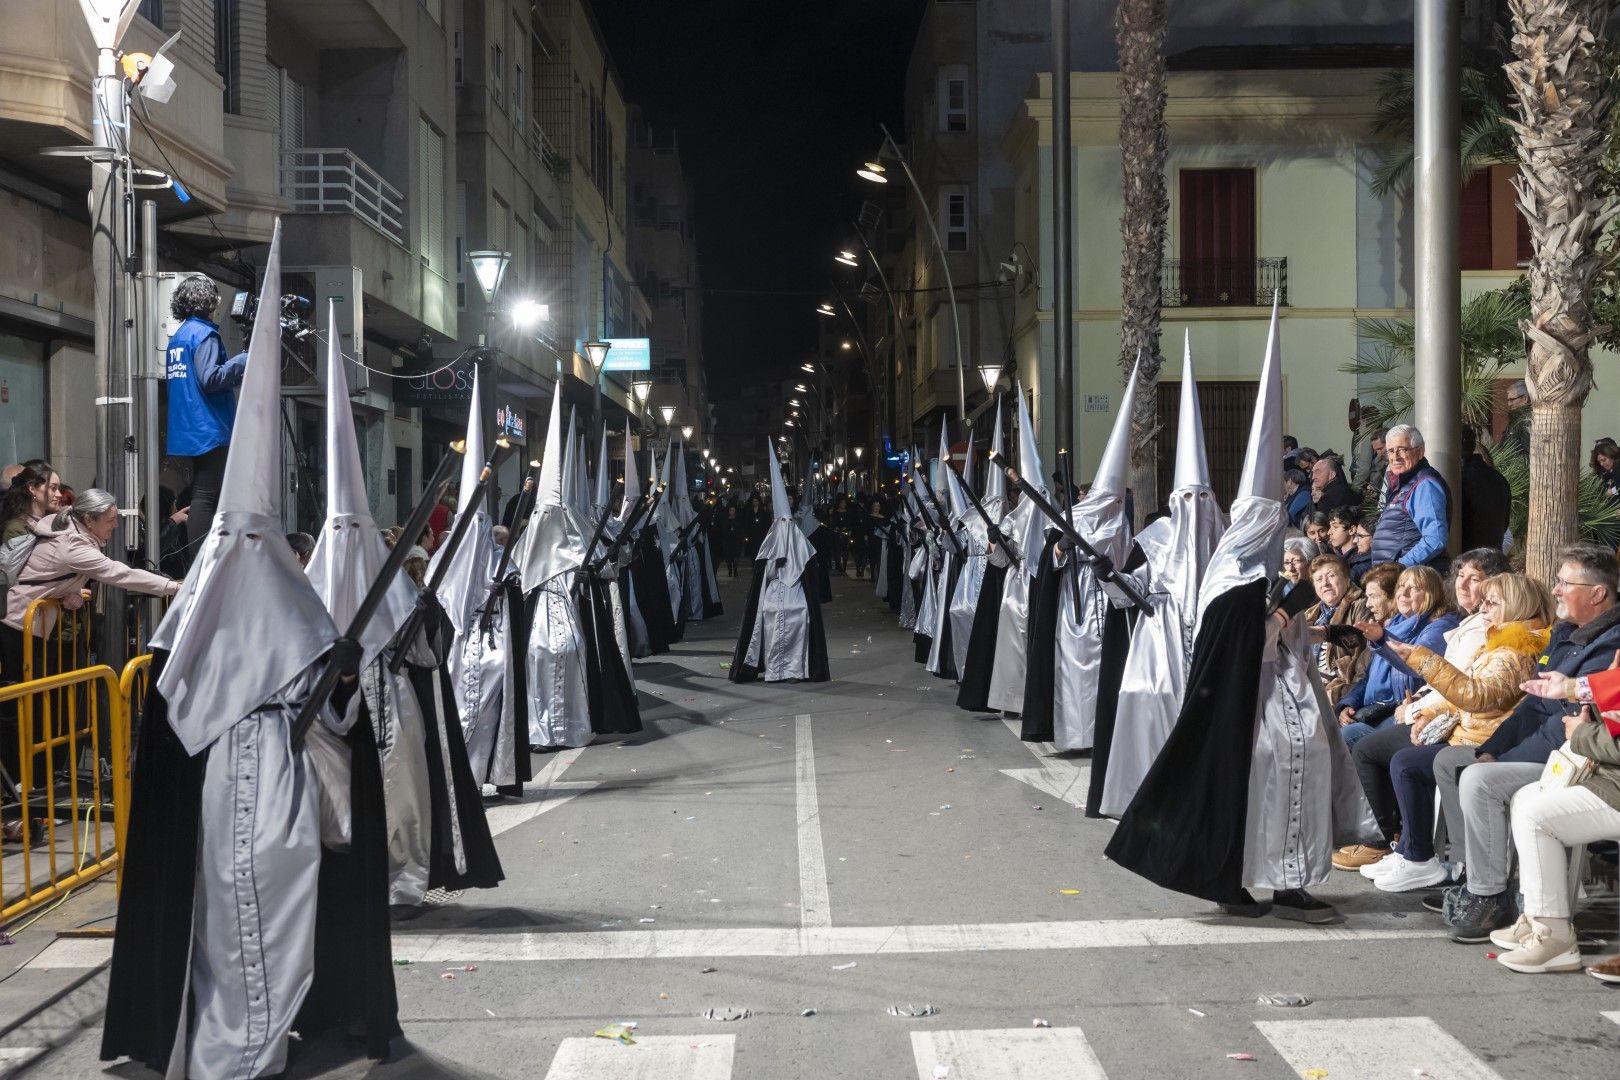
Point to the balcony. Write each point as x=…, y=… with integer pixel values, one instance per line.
x=332, y=180
x=554, y=162
x=1223, y=282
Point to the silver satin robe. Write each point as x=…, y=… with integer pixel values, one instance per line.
x=258, y=864
x=780, y=644
x=396, y=719
x=486, y=695
x=1012, y=627
x=559, y=711
x=1305, y=799
x=964, y=603
x=1175, y=549
x=943, y=595
x=1077, y=664
x=925, y=564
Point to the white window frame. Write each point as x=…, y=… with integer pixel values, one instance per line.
x=497, y=74
x=955, y=218
x=517, y=99
x=456, y=44
x=461, y=245
x=430, y=161
x=954, y=117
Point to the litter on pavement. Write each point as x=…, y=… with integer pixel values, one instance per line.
x=1285, y=1001
x=844, y=967
x=808, y=1012
x=913, y=1010
x=620, y=1033
x=1241, y=1057
x=727, y=1012
x=1038, y=1022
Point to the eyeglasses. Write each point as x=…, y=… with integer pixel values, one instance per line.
x=1491, y=602
x=1402, y=450
x=1561, y=583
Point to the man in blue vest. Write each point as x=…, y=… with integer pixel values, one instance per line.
x=202, y=383
x=1415, y=523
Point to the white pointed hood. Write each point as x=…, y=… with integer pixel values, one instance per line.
x=668, y=516
x=1100, y=514
x=808, y=522
x=228, y=657
x=554, y=542
x=995, y=481
x=1252, y=546
x=784, y=539
x=576, y=486
x=350, y=551
x=1192, y=464
x=683, y=501
x=971, y=462
x=604, y=483
x=466, y=583
x=1026, y=524
x=632, y=476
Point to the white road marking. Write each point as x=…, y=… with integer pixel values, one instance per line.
x=1375, y=1047
x=424, y=946
x=1612, y=1017
x=17, y=1055
x=1061, y=779
x=545, y=792
x=1006, y=1054
x=650, y=1057
x=815, y=906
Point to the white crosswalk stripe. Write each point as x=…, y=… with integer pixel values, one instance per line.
x=545, y=792
x=1374, y=1048
x=1612, y=1017
x=650, y=1057
x=1059, y=778
x=1006, y=1054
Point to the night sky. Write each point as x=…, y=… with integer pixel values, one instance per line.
x=775, y=103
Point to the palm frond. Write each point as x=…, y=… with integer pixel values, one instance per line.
x=1597, y=516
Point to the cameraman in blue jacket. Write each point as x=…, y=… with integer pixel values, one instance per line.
x=202, y=383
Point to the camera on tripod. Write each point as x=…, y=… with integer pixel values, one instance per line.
x=295, y=311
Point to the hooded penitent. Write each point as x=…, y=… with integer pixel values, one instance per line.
x=949, y=643
x=1175, y=550
x=781, y=637
x=609, y=691
x=927, y=562
x=553, y=549
x=650, y=581
x=978, y=659
x=207, y=976
x=1023, y=531
x=1254, y=787
x=667, y=524
x=349, y=555
x=1078, y=639
x=482, y=655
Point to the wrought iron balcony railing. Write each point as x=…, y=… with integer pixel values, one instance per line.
x=1223, y=282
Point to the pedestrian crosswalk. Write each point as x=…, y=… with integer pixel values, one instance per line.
x=1361, y=1048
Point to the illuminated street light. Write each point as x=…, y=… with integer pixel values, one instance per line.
x=596, y=352
x=827, y=310
x=847, y=258
x=526, y=314
x=643, y=390
x=668, y=412
x=686, y=431
x=489, y=267
x=873, y=171
x=991, y=374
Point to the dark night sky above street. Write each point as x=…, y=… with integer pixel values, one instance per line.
x=775, y=103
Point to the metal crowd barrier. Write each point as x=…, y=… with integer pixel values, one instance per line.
x=73, y=731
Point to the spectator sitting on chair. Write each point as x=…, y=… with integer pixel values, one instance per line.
x=1329, y=489
x=1413, y=528
x=1481, y=781
x=202, y=384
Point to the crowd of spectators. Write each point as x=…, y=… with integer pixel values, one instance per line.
x=1456, y=682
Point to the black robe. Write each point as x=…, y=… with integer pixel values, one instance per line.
x=947, y=652
x=353, y=988
x=1184, y=830
x=612, y=699
x=651, y=583
x=974, y=693
x=895, y=570
x=1118, y=625
x=741, y=670
x=1046, y=591
x=436, y=696
x=825, y=541
x=712, y=608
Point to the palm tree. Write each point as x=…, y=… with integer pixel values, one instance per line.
x=1139, y=30
x=1486, y=138
x=1559, y=82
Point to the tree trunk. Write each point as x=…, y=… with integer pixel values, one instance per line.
x=1139, y=27
x=1558, y=79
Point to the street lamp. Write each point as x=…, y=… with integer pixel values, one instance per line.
x=859, y=450
x=705, y=453
x=847, y=258
x=686, y=432
x=826, y=309
x=991, y=374
x=596, y=352
x=877, y=173
x=527, y=313
x=668, y=412
x=489, y=267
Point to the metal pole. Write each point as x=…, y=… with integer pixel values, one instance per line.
x=1437, y=303
x=1062, y=238
x=926, y=211
x=148, y=371
x=109, y=246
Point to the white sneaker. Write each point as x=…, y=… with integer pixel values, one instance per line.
x=1411, y=875
x=1374, y=871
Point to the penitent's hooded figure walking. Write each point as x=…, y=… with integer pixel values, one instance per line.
x=215, y=949
x=1255, y=787
x=781, y=637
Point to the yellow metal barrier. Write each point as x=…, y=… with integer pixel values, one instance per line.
x=61, y=719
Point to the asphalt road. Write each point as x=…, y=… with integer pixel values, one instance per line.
x=862, y=844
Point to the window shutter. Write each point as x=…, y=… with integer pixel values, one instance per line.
x=430, y=195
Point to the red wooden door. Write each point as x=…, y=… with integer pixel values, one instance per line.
x=1217, y=237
